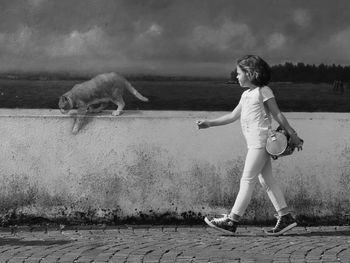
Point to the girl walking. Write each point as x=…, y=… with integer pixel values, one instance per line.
x=254, y=74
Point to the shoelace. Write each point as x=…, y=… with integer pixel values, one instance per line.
x=279, y=219
x=222, y=219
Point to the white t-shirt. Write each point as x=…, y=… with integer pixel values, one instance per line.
x=254, y=120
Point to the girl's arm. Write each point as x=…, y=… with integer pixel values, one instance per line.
x=282, y=120
x=226, y=119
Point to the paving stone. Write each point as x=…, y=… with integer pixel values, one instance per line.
x=165, y=244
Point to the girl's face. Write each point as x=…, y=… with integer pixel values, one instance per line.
x=242, y=78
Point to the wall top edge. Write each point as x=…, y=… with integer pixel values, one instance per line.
x=48, y=113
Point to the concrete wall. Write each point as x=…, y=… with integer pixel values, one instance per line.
x=157, y=166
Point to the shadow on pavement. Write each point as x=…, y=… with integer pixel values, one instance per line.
x=19, y=242
x=293, y=234
x=320, y=233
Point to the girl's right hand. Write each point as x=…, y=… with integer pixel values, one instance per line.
x=296, y=141
x=203, y=124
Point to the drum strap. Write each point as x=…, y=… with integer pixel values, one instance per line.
x=263, y=109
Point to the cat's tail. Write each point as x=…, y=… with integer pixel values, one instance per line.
x=135, y=92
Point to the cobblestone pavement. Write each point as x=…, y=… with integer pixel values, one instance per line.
x=173, y=244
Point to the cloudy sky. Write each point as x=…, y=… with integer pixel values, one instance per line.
x=187, y=37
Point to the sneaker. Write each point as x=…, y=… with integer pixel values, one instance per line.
x=284, y=223
x=223, y=224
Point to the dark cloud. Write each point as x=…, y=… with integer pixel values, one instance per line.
x=169, y=36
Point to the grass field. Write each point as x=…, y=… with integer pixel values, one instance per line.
x=180, y=95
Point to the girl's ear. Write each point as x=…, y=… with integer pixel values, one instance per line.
x=252, y=75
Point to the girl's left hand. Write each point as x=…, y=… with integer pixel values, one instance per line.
x=203, y=124
x=296, y=141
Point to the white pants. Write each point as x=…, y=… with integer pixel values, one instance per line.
x=257, y=165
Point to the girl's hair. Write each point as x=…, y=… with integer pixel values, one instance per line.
x=257, y=70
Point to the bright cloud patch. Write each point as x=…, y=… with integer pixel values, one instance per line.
x=146, y=34
x=153, y=30
x=35, y=3
x=276, y=41
x=339, y=43
x=342, y=38
x=229, y=35
x=146, y=41
x=302, y=17
x=17, y=42
x=78, y=43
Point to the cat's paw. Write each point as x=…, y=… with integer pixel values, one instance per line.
x=116, y=113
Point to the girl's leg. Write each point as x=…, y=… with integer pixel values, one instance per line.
x=255, y=162
x=285, y=221
x=273, y=190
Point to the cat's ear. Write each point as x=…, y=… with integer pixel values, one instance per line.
x=62, y=104
x=65, y=100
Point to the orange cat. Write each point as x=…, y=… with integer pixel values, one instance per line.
x=99, y=90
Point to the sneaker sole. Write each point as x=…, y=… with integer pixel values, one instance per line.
x=207, y=221
x=283, y=230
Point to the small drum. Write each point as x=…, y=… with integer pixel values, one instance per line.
x=278, y=143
